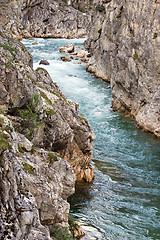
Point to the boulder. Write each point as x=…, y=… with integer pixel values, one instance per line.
x=44, y=62
x=65, y=59
x=67, y=48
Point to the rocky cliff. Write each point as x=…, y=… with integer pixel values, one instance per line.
x=49, y=18
x=124, y=42
x=44, y=146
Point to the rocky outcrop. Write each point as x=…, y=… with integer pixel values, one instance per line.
x=44, y=146
x=124, y=43
x=49, y=18
x=34, y=187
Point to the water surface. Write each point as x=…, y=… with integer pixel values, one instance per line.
x=123, y=202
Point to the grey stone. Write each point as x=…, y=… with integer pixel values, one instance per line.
x=125, y=46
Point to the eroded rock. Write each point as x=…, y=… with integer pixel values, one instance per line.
x=35, y=181
x=67, y=48
x=125, y=46
x=49, y=18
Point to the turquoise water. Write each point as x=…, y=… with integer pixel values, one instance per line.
x=123, y=202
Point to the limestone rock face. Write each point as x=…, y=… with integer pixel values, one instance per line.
x=63, y=130
x=49, y=18
x=124, y=43
x=34, y=188
x=43, y=142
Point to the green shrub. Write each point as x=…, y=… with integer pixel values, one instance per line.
x=29, y=117
x=72, y=222
x=50, y=111
x=60, y=233
x=9, y=48
x=20, y=149
x=4, y=138
x=45, y=97
x=28, y=168
x=4, y=142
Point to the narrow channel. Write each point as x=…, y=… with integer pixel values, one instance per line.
x=123, y=202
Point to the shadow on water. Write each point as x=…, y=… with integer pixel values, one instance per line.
x=81, y=197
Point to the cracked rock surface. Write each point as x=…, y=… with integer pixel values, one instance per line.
x=124, y=43
x=44, y=146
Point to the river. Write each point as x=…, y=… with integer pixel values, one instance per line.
x=123, y=201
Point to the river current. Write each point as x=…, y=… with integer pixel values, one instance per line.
x=123, y=201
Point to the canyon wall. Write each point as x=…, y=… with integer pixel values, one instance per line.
x=49, y=18
x=44, y=146
x=124, y=41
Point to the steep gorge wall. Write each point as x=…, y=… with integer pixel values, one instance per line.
x=44, y=147
x=49, y=18
x=124, y=42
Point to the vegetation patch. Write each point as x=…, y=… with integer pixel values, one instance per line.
x=20, y=149
x=29, y=117
x=119, y=15
x=136, y=56
x=50, y=112
x=60, y=233
x=4, y=138
x=52, y=157
x=83, y=165
x=28, y=168
x=9, y=48
x=31, y=78
x=33, y=149
x=1, y=122
x=45, y=97
x=72, y=222
x=2, y=112
x=81, y=117
x=9, y=64
x=4, y=141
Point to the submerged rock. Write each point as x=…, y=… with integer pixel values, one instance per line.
x=44, y=62
x=64, y=59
